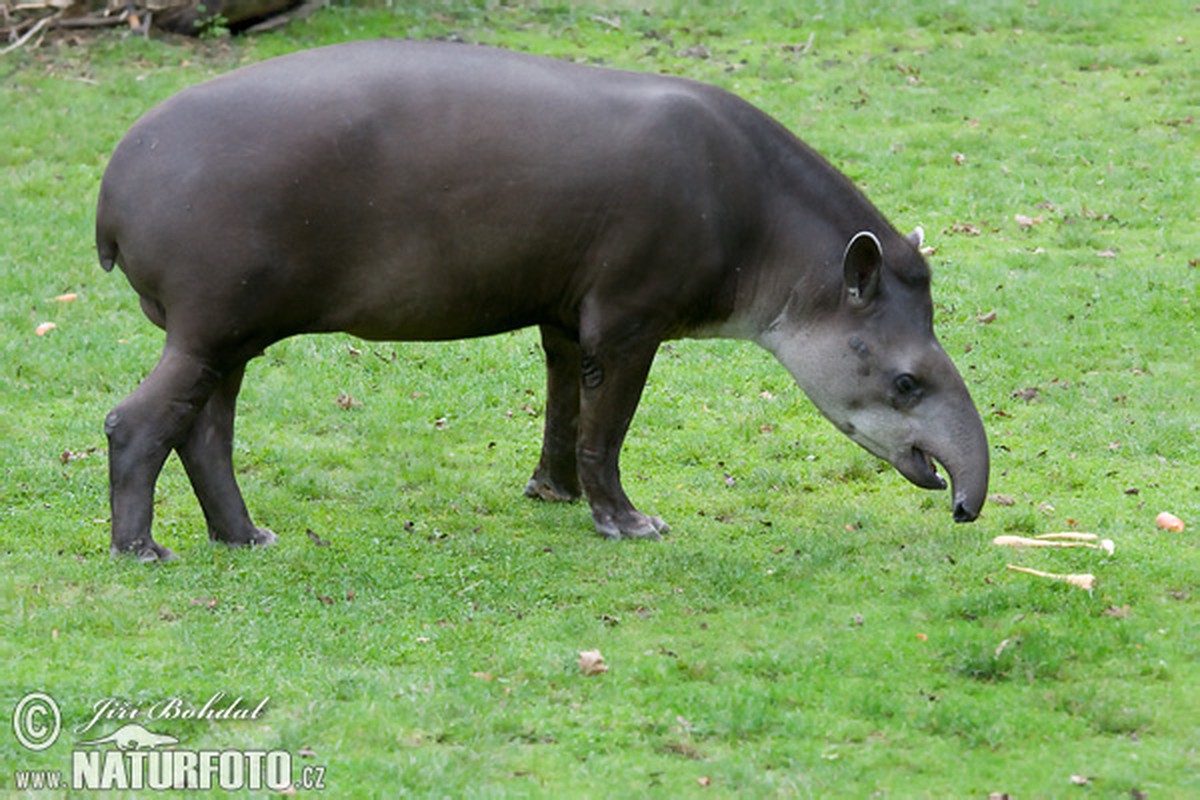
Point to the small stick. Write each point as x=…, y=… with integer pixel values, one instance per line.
x=1069, y=536
x=1020, y=541
x=1085, y=581
x=29, y=34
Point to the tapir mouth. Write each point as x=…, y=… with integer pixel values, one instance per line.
x=919, y=467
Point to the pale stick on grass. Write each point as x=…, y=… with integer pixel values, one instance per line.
x=1072, y=536
x=1020, y=541
x=1084, y=581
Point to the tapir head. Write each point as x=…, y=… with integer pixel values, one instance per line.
x=864, y=351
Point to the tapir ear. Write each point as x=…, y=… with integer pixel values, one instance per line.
x=917, y=237
x=861, y=266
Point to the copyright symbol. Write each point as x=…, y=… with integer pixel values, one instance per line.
x=37, y=721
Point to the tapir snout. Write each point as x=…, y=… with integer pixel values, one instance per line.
x=423, y=191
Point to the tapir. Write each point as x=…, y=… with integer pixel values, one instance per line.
x=399, y=190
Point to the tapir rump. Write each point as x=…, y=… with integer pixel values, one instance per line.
x=424, y=191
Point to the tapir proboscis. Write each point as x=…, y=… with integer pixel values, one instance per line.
x=427, y=191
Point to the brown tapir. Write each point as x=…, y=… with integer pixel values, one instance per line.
x=421, y=191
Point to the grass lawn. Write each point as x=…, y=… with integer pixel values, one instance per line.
x=814, y=626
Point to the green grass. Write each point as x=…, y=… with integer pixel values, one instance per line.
x=813, y=627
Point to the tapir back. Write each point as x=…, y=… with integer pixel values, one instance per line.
x=427, y=191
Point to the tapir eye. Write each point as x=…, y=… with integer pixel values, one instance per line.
x=906, y=385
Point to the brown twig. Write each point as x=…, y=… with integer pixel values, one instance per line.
x=40, y=26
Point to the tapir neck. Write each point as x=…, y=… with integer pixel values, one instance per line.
x=808, y=214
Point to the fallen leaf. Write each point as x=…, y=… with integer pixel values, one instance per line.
x=1079, y=780
x=483, y=676
x=317, y=540
x=1028, y=394
x=959, y=159
x=988, y=318
x=70, y=455
x=441, y=423
x=683, y=749
x=44, y=328
x=1117, y=612
x=1027, y=222
x=613, y=22
x=306, y=752
x=922, y=637
x=592, y=663
x=695, y=51
x=705, y=781
x=69, y=297
x=347, y=402
x=1002, y=499
x=1107, y=253
x=323, y=598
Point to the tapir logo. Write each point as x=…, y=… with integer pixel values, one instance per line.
x=133, y=737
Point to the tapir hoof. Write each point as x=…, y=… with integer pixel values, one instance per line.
x=145, y=552
x=545, y=489
x=264, y=537
x=632, y=525
x=257, y=537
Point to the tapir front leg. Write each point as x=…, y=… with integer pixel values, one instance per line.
x=207, y=455
x=141, y=431
x=612, y=382
x=557, y=476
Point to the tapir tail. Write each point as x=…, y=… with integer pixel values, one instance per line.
x=106, y=248
x=106, y=239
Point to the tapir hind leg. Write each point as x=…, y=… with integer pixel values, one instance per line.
x=557, y=476
x=141, y=431
x=207, y=455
